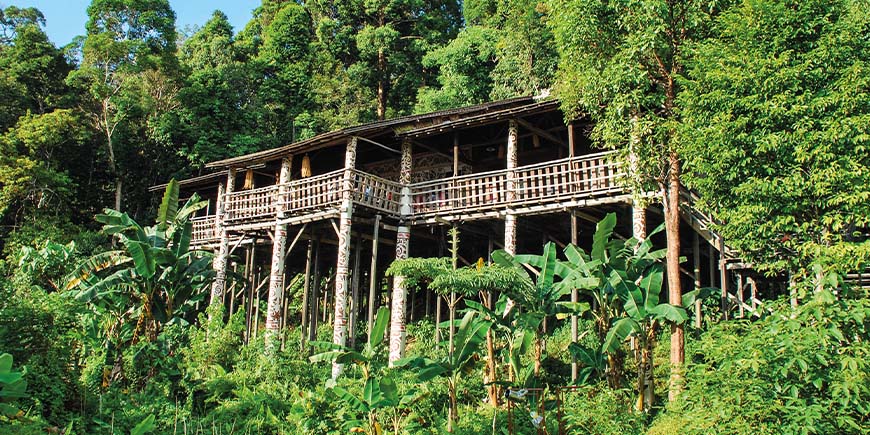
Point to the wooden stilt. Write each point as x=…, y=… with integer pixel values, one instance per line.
x=315, y=293
x=276, y=272
x=255, y=270
x=696, y=263
x=306, y=291
x=740, y=294
x=403, y=237
x=373, y=275
x=575, y=294
x=220, y=260
x=339, y=326
x=723, y=272
x=354, y=299
x=753, y=292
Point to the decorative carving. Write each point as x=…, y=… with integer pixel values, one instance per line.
x=397, y=308
x=427, y=167
x=638, y=221
x=339, y=328
x=510, y=234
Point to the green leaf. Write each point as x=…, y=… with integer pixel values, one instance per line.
x=380, y=327
x=670, y=313
x=689, y=298
x=602, y=236
x=143, y=259
x=145, y=426
x=618, y=333
x=169, y=205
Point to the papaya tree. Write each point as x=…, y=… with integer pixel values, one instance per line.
x=486, y=280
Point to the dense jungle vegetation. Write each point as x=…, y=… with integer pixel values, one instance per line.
x=760, y=106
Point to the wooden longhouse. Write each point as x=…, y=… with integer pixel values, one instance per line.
x=340, y=207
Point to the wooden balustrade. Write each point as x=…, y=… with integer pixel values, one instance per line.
x=313, y=193
x=550, y=183
x=467, y=192
x=204, y=229
x=251, y=205
x=376, y=192
x=538, y=184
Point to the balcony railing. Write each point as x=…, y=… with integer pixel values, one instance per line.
x=204, y=228
x=251, y=205
x=554, y=182
x=538, y=184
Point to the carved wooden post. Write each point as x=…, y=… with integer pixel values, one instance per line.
x=403, y=238
x=510, y=219
x=276, y=273
x=638, y=220
x=339, y=328
x=220, y=260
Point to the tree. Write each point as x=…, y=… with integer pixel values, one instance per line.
x=621, y=63
x=37, y=65
x=485, y=281
x=504, y=51
x=124, y=39
x=464, y=66
x=380, y=45
x=35, y=155
x=776, y=145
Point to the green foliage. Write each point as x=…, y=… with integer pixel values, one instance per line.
x=12, y=386
x=800, y=371
x=777, y=144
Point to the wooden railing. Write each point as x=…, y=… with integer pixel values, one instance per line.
x=376, y=192
x=312, y=193
x=538, y=184
x=554, y=182
x=204, y=228
x=251, y=205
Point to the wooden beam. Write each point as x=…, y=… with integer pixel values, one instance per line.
x=543, y=133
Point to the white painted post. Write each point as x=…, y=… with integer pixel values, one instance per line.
x=276, y=273
x=403, y=239
x=339, y=328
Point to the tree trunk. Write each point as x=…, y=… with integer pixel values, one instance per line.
x=675, y=296
x=382, y=85
x=452, y=410
x=119, y=184
x=539, y=350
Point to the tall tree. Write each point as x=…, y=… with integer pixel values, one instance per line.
x=620, y=63
x=124, y=39
x=505, y=51
x=776, y=126
x=380, y=44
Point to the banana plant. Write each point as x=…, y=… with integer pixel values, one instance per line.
x=12, y=386
x=379, y=393
x=550, y=282
x=470, y=336
x=153, y=280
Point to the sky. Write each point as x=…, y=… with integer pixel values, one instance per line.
x=64, y=19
